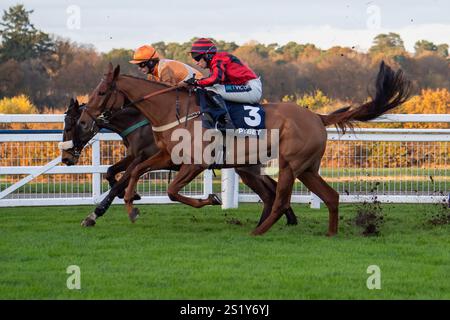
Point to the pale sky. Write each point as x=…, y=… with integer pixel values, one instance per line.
x=108, y=24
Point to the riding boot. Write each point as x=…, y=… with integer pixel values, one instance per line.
x=224, y=121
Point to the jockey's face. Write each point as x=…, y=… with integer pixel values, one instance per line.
x=143, y=67
x=144, y=70
x=202, y=63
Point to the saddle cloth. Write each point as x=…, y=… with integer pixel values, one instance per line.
x=248, y=119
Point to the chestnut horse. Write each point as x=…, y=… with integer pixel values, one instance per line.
x=301, y=144
x=137, y=137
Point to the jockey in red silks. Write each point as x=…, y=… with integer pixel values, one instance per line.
x=229, y=78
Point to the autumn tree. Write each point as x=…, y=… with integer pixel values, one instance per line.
x=20, y=39
x=120, y=57
x=425, y=46
x=388, y=44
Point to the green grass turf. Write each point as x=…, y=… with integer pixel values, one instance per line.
x=177, y=252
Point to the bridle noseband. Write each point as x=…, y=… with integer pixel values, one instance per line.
x=105, y=114
x=70, y=122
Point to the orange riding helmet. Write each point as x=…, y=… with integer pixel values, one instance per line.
x=144, y=53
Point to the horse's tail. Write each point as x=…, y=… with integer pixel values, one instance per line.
x=392, y=89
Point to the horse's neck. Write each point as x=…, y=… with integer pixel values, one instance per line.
x=124, y=119
x=159, y=109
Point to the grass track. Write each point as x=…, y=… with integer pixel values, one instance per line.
x=176, y=252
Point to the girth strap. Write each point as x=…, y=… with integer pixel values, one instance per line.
x=135, y=126
x=177, y=122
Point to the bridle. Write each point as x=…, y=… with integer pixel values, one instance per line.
x=105, y=115
x=70, y=122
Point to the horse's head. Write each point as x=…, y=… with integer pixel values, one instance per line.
x=103, y=100
x=70, y=154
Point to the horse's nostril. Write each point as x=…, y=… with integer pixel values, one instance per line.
x=83, y=124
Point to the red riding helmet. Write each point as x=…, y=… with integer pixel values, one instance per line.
x=203, y=46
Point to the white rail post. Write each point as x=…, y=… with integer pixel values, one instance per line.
x=236, y=190
x=229, y=189
x=96, y=177
x=207, y=183
x=315, y=200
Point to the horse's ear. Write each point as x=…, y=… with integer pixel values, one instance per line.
x=72, y=102
x=110, y=67
x=116, y=72
x=77, y=105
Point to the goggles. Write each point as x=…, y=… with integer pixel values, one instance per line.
x=143, y=64
x=197, y=56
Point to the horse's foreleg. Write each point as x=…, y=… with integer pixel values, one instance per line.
x=116, y=168
x=315, y=183
x=283, y=197
x=117, y=189
x=186, y=174
x=161, y=160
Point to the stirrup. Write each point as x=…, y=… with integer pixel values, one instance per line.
x=208, y=117
x=225, y=126
x=228, y=123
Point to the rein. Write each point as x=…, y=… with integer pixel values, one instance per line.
x=154, y=94
x=177, y=105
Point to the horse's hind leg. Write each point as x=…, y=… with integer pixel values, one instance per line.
x=265, y=188
x=315, y=183
x=286, y=181
x=186, y=174
x=289, y=212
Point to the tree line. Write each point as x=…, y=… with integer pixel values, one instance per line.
x=50, y=70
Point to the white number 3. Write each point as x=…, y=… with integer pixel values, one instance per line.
x=254, y=119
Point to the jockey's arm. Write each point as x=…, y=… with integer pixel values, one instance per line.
x=217, y=74
x=152, y=77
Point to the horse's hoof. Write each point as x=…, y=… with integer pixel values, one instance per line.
x=215, y=200
x=88, y=222
x=292, y=221
x=290, y=217
x=256, y=232
x=121, y=195
x=134, y=215
x=136, y=197
x=331, y=234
